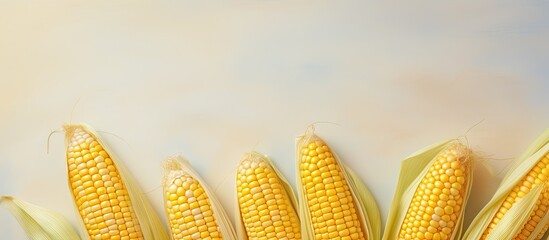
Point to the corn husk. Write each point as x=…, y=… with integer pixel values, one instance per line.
x=507, y=227
x=412, y=171
x=150, y=223
x=175, y=167
x=520, y=168
x=39, y=223
x=368, y=210
x=240, y=227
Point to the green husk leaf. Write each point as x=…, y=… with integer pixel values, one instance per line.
x=38, y=222
x=149, y=221
x=520, y=168
x=412, y=171
x=368, y=210
x=176, y=166
x=241, y=229
x=511, y=223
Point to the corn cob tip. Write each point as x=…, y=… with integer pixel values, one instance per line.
x=172, y=163
x=251, y=160
x=172, y=168
x=463, y=153
x=252, y=156
x=308, y=136
x=309, y=140
x=70, y=128
x=456, y=151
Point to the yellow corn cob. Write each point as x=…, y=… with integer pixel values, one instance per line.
x=536, y=176
x=98, y=189
x=265, y=206
x=188, y=206
x=438, y=200
x=333, y=210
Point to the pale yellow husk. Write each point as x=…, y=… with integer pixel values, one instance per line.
x=175, y=167
x=538, y=149
x=412, y=171
x=150, y=223
x=507, y=227
x=240, y=228
x=39, y=223
x=368, y=210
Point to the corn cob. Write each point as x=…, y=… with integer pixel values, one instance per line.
x=536, y=176
x=266, y=207
x=431, y=194
x=331, y=204
x=189, y=210
x=110, y=205
x=193, y=212
x=439, y=198
x=519, y=208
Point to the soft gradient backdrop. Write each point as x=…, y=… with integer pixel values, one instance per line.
x=214, y=79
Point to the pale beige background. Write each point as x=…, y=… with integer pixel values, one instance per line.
x=214, y=79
